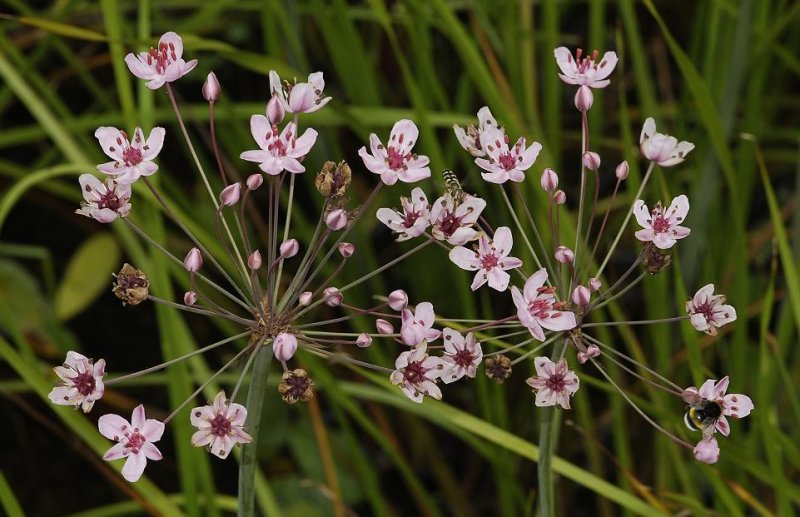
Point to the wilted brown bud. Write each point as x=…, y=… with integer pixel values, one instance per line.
x=131, y=285
x=332, y=181
x=498, y=368
x=656, y=260
x=296, y=386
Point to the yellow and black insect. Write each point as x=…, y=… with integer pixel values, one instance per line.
x=452, y=186
x=702, y=415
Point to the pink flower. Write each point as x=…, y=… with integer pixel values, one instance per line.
x=505, y=164
x=587, y=71
x=709, y=406
x=461, y=356
x=491, y=260
x=537, y=307
x=81, y=382
x=220, y=426
x=161, y=65
x=417, y=327
x=453, y=222
x=299, y=97
x=132, y=159
x=412, y=221
x=554, y=383
x=104, y=202
x=278, y=152
x=707, y=450
x=708, y=311
x=470, y=138
x=396, y=161
x=663, y=149
x=416, y=373
x=135, y=441
x=661, y=227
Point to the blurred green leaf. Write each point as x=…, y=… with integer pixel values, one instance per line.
x=88, y=274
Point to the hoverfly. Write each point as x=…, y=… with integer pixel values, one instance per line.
x=452, y=186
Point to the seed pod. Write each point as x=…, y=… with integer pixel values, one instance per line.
x=131, y=285
x=296, y=386
x=656, y=260
x=332, y=181
x=498, y=368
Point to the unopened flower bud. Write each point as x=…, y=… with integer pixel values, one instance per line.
x=347, y=249
x=332, y=297
x=707, y=450
x=193, y=261
x=254, y=260
x=336, y=220
x=559, y=197
x=254, y=181
x=190, y=298
x=591, y=351
x=594, y=284
x=289, y=248
x=581, y=296
x=363, y=340
x=498, y=368
x=211, y=88
x=230, y=194
x=305, y=298
x=584, y=98
x=131, y=285
x=284, y=346
x=564, y=255
x=622, y=170
x=398, y=299
x=549, y=180
x=591, y=160
x=384, y=327
x=275, y=111
x=296, y=386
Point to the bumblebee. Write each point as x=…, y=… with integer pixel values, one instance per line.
x=453, y=186
x=702, y=415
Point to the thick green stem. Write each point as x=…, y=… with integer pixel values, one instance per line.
x=255, y=400
x=548, y=440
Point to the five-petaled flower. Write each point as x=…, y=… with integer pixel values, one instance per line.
x=502, y=163
x=461, y=355
x=712, y=405
x=665, y=150
x=416, y=373
x=412, y=221
x=81, y=382
x=135, y=441
x=279, y=151
x=104, y=202
x=132, y=159
x=454, y=221
x=490, y=260
x=161, y=65
x=662, y=227
x=220, y=426
x=554, y=383
x=708, y=311
x=299, y=97
x=537, y=307
x=395, y=161
x=417, y=327
x=587, y=70
x=470, y=138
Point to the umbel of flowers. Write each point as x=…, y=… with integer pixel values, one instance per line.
x=277, y=284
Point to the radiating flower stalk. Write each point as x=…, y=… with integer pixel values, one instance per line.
x=286, y=295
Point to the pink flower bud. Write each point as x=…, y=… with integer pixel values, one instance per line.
x=190, y=298
x=193, y=261
x=211, y=88
x=581, y=296
x=707, y=450
x=332, y=297
x=591, y=160
x=549, y=180
x=254, y=181
x=289, y=248
x=594, y=284
x=564, y=255
x=275, y=111
x=363, y=340
x=591, y=351
x=559, y=197
x=284, y=346
x=254, y=260
x=384, y=327
x=398, y=299
x=337, y=219
x=584, y=98
x=304, y=298
x=622, y=171
x=347, y=249
x=230, y=194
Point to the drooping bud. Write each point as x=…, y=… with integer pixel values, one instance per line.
x=498, y=368
x=211, y=88
x=564, y=255
x=622, y=171
x=346, y=249
x=594, y=284
x=591, y=160
x=284, y=346
x=559, y=197
x=332, y=181
x=190, y=298
x=332, y=297
x=289, y=248
x=296, y=386
x=584, y=98
x=230, y=194
x=305, y=298
x=275, y=111
x=336, y=220
x=581, y=296
x=193, y=261
x=591, y=351
x=384, y=327
x=549, y=180
x=254, y=181
x=363, y=340
x=131, y=285
x=398, y=299
x=254, y=260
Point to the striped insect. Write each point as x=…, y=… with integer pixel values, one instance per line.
x=452, y=185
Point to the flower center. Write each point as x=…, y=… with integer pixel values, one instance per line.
x=464, y=358
x=660, y=224
x=450, y=224
x=540, y=307
x=162, y=57
x=135, y=441
x=555, y=383
x=276, y=145
x=132, y=156
x=220, y=426
x=109, y=200
x=414, y=372
x=588, y=62
x=489, y=261
x=394, y=159
x=410, y=218
x=84, y=383
x=508, y=161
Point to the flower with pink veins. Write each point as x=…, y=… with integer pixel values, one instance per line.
x=163, y=64
x=470, y=138
x=715, y=405
x=662, y=227
x=220, y=426
x=104, y=202
x=501, y=163
x=396, y=161
x=417, y=327
x=461, y=356
x=81, y=382
x=490, y=260
x=554, y=383
x=587, y=70
x=299, y=97
x=537, y=307
x=665, y=150
x=278, y=152
x=412, y=221
x=416, y=373
x=708, y=311
x=135, y=441
x=453, y=221
x=132, y=159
